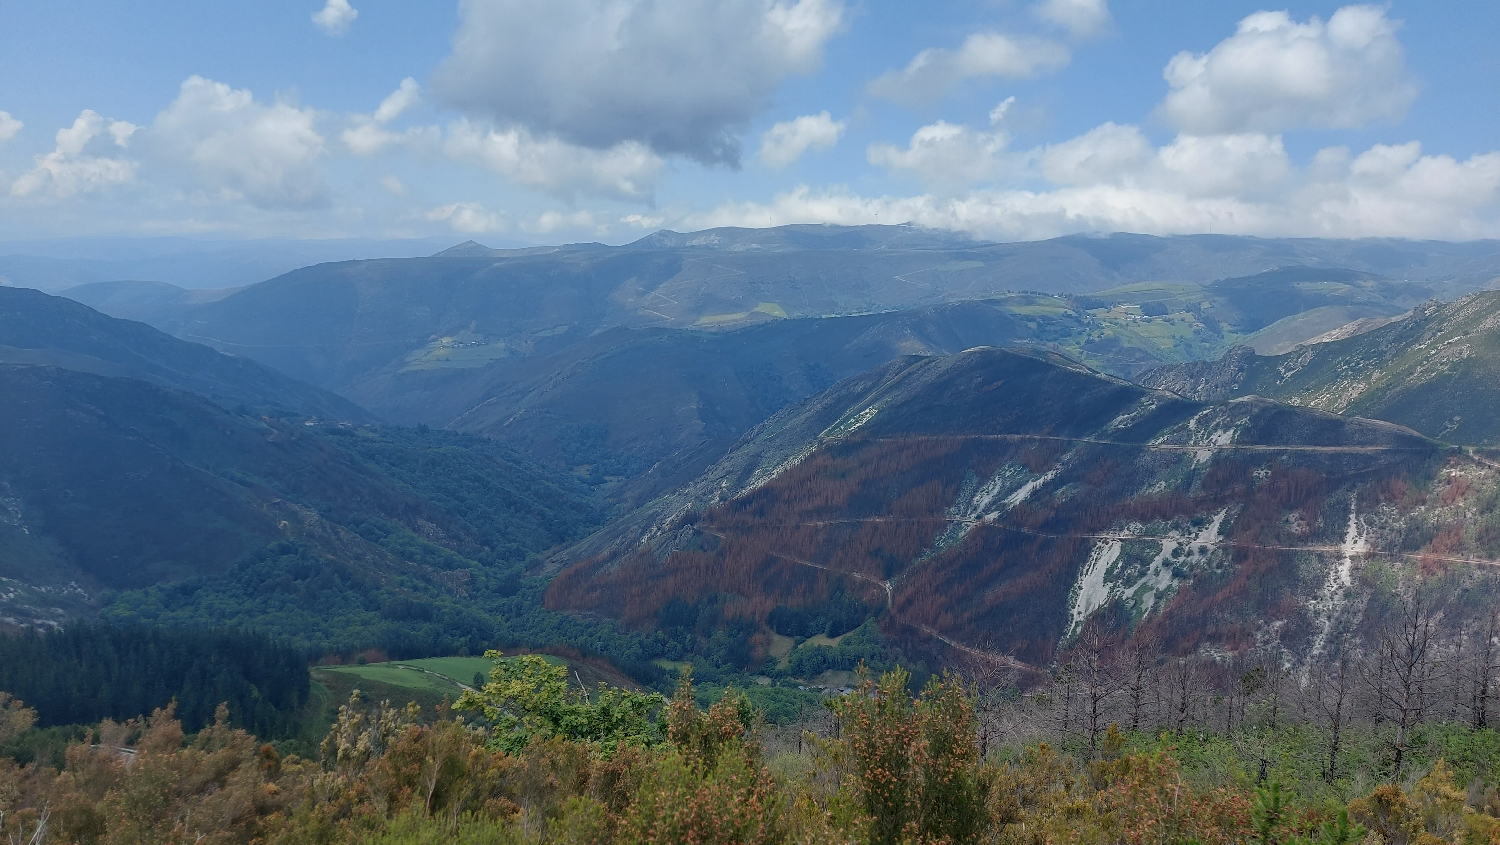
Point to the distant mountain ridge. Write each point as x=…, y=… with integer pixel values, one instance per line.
x=651, y=408
x=39, y=329
x=331, y=324
x=1437, y=371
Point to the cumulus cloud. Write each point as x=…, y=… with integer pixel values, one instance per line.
x=9, y=127
x=1081, y=18
x=945, y=156
x=553, y=221
x=785, y=142
x=370, y=134
x=1193, y=165
x=1397, y=191
x=335, y=17
x=629, y=170
x=1107, y=154
x=1276, y=74
x=469, y=217
x=674, y=76
x=643, y=221
x=404, y=97
x=1113, y=179
x=933, y=72
x=235, y=147
x=77, y=164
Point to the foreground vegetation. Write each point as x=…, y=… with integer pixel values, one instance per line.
x=529, y=758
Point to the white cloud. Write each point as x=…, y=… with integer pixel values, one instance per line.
x=76, y=166
x=933, y=72
x=627, y=171
x=369, y=133
x=1275, y=74
x=553, y=221
x=393, y=185
x=1112, y=179
x=1107, y=154
x=643, y=221
x=235, y=147
x=785, y=142
x=675, y=76
x=398, y=101
x=469, y=217
x=1081, y=18
x=945, y=156
x=1247, y=165
x=9, y=127
x=335, y=17
x=1398, y=192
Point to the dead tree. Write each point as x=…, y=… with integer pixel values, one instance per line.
x=1404, y=673
x=1063, y=701
x=1481, y=670
x=1183, y=683
x=1137, y=670
x=1098, y=682
x=1333, y=706
x=990, y=677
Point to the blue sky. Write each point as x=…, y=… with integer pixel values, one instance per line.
x=527, y=121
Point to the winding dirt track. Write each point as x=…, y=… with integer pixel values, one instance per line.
x=1169, y=447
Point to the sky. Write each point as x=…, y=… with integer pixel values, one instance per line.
x=544, y=121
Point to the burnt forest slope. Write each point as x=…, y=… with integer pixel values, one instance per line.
x=998, y=499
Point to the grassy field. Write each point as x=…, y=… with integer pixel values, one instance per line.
x=432, y=675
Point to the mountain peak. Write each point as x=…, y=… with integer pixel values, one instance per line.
x=467, y=249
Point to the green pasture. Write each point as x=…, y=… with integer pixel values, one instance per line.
x=437, y=675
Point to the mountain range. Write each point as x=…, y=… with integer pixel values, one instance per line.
x=635, y=367
x=712, y=446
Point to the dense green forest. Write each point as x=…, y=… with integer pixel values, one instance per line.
x=86, y=673
x=457, y=588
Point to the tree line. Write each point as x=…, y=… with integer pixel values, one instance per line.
x=84, y=673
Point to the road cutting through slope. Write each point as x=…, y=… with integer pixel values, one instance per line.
x=1168, y=447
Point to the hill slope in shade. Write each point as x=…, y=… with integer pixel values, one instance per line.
x=112, y=483
x=1436, y=371
x=195, y=263
x=997, y=499
x=641, y=411
x=38, y=329
x=142, y=301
